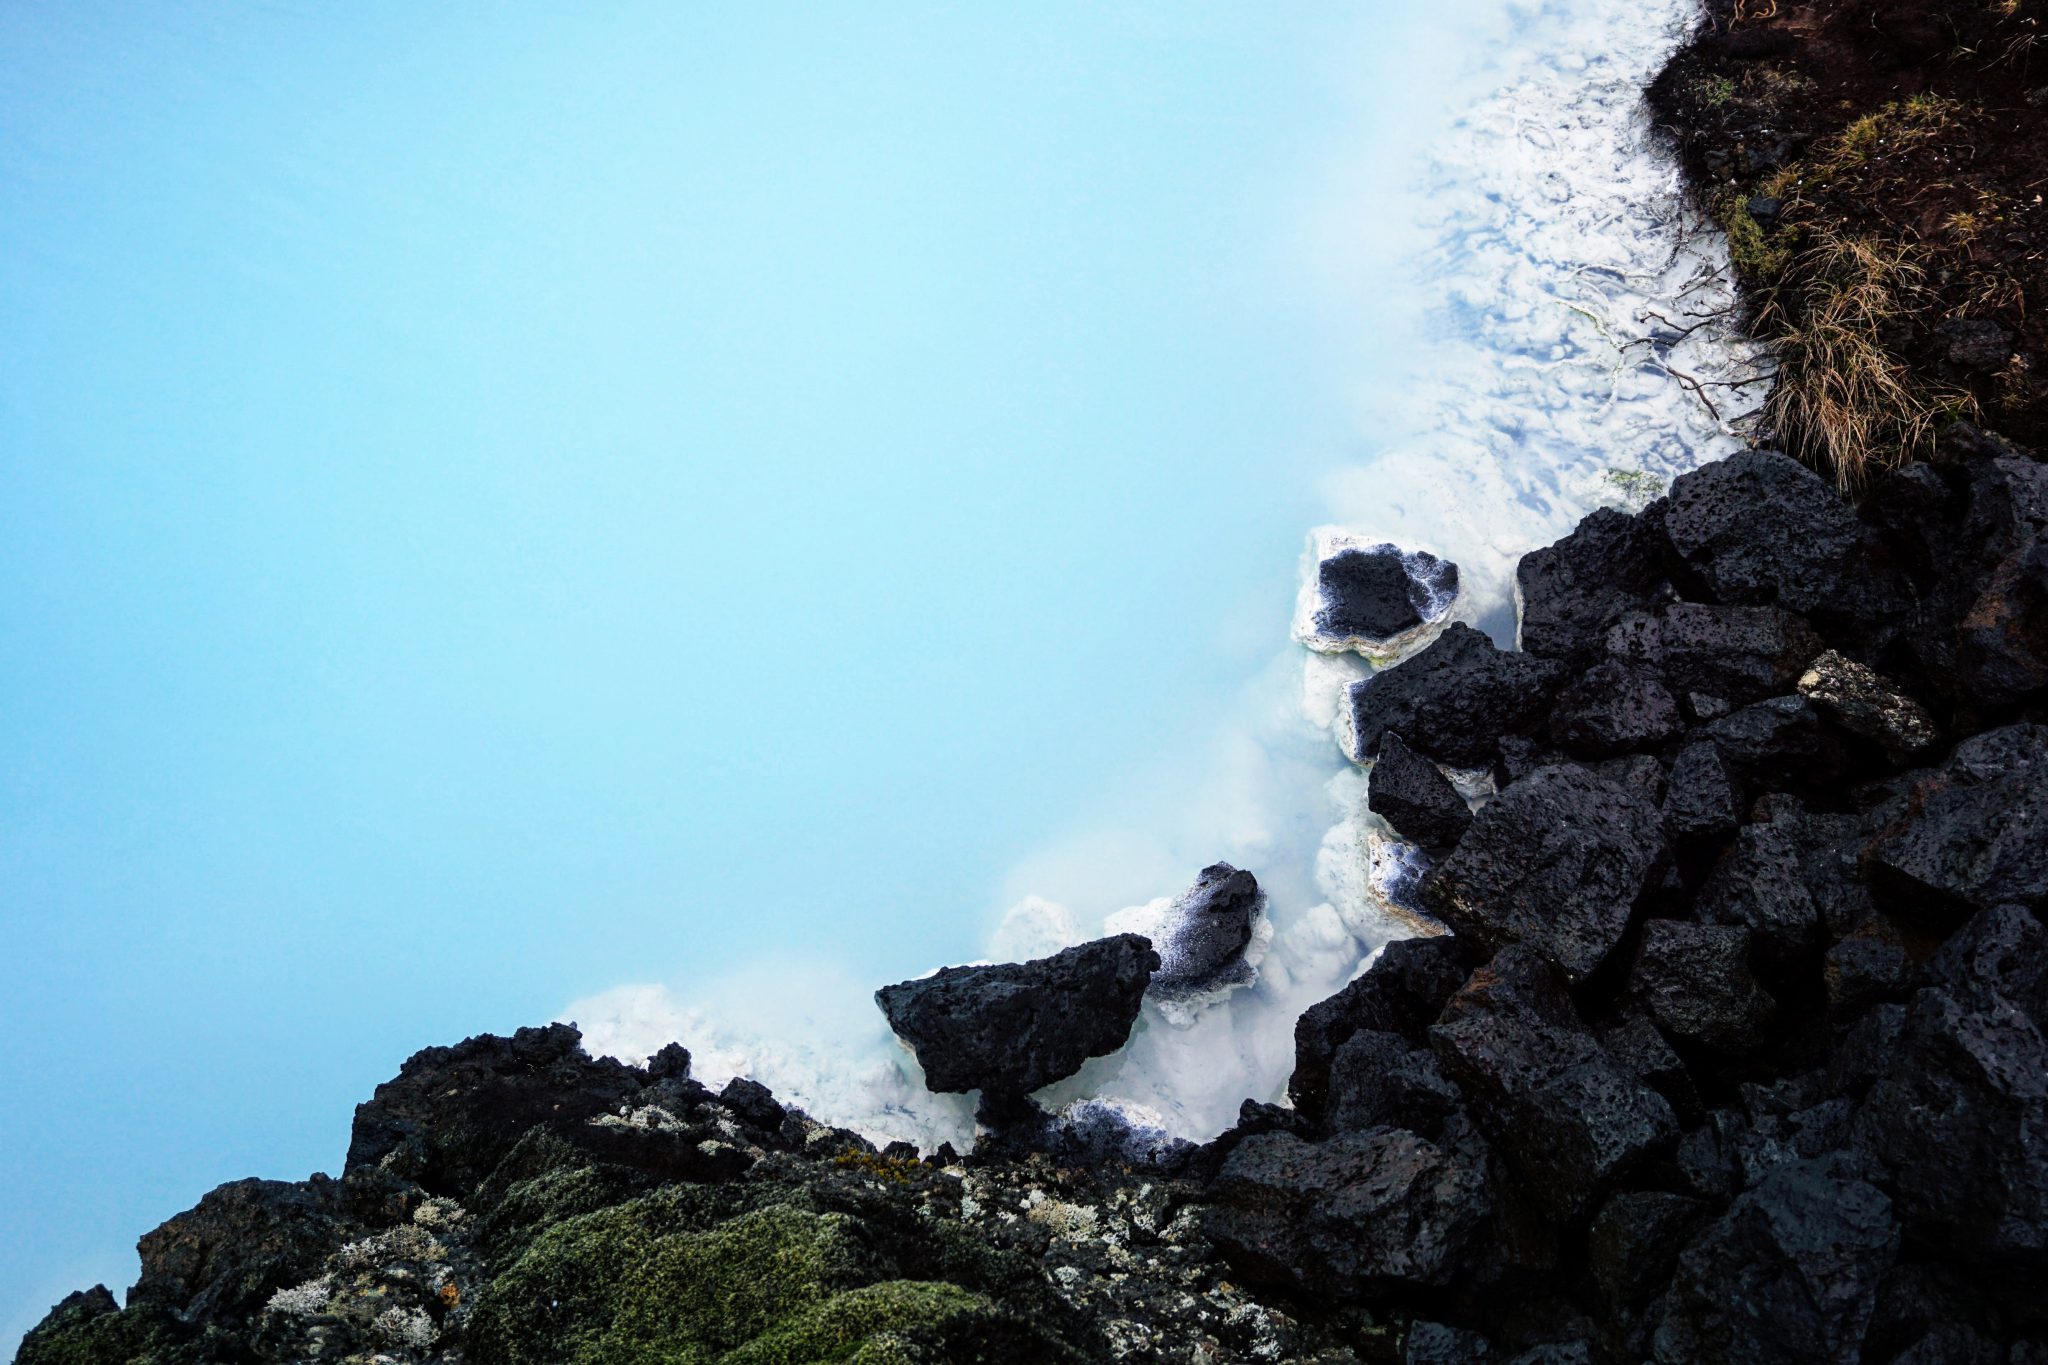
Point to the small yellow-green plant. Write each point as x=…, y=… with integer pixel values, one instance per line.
x=894, y=1170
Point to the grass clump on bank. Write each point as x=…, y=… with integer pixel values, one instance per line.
x=1844, y=401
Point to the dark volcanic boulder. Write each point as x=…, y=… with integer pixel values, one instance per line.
x=1760, y=885
x=1202, y=943
x=1702, y=800
x=89, y=1328
x=1789, y=1275
x=1960, y=1119
x=1731, y=654
x=1866, y=969
x=1011, y=1028
x=1640, y=1048
x=754, y=1103
x=1968, y=525
x=1976, y=834
x=1557, y=1108
x=1778, y=744
x=2001, y=954
x=452, y=1112
x=243, y=1242
x=1374, y=594
x=1411, y=793
x=1695, y=981
x=1383, y=1080
x=1557, y=861
x=1379, y=1209
x=1612, y=708
x=2003, y=638
x=1973, y=343
x=1572, y=591
x=1401, y=993
x=1635, y=1239
x=1761, y=529
x=1638, y=773
x=1454, y=700
x=1434, y=1343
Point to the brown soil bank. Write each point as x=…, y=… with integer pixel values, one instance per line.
x=1880, y=168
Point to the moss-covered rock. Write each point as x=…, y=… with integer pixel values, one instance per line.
x=88, y=1328
x=639, y=1283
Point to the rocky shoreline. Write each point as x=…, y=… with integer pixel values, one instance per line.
x=1734, y=1050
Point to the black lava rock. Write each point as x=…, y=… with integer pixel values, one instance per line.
x=1208, y=928
x=1702, y=801
x=1402, y=994
x=754, y=1103
x=1572, y=591
x=1553, y=1103
x=1959, y=1121
x=672, y=1063
x=1435, y=1343
x=1761, y=529
x=1454, y=700
x=1612, y=708
x=1760, y=885
x=1973, y=837
x=452, y=1113
x=2002, y=640
x=1638, y=1048
x=1382, y=591
x=2001, y=955
x=1695, y=981
x=1865, y=970
x=1634, y=1242
x=1557, y=861
x=1011, y=1028
x=1382, y=1080
x=1369, y=1210
x=1789, y=1275
x=1735, y=654
x=1778, y=744
x=1974, y=344
x=239, y=1245
x=1411, y=793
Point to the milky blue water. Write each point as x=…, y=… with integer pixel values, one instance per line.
x=505, y=503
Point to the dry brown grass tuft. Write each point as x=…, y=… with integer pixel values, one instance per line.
x=1844, y=402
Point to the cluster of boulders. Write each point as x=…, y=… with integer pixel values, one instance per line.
x=516, y=1200
x=1735, y=1050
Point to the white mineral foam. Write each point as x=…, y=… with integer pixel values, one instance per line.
x=1550, y=249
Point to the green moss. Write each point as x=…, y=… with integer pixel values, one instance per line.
x=1758, y=256
x=135, y=1336
x=1638, y=488
x=866, y=1325
x=894, y=1170
x=552, y=1197
x=644, y=1283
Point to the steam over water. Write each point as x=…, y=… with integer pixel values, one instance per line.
x=1562, y=346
